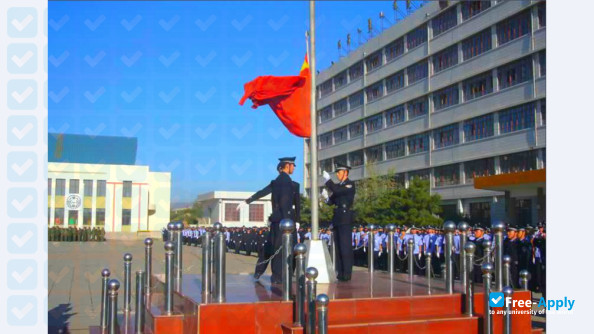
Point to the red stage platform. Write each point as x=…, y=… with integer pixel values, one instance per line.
x=366, y=304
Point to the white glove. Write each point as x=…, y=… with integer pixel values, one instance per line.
x=438, y=255
x=419, y=256
x=326, y=176
x=325, y=193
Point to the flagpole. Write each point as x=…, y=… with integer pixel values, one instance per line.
x=313, y=143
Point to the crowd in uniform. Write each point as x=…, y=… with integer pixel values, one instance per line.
x=525, y=245
x=74, y=233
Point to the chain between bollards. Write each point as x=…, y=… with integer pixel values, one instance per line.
x=127, y=281
x=469, y=249
x=370, y=248
x=322, y=302
x=206, y=267
x=148, y=263
x=140, y=306
x=169, y=253
x=104, y=298
x=219, y=264
x=287, y=227
x=487, y=270
x=299, y=313
x=113, y=287
x=311, y=274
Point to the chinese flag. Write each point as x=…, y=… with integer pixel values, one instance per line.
x=289, y=97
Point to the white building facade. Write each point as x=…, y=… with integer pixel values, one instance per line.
x=221, y=206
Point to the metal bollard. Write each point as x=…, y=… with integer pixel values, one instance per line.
x=449, y=228
x=148, y=263
x=127, y=281
x=113, y=287
x=139, y=323
x=287, y=227
x=169, y=247
x=524, y=278
x=219, y=264
x=311, y=274
x=300, y=251
x=333, y=250
x=507, y=318
x=370, y=248
x=463, y=228
x=206, y=267
x=104, y=298
x=410, y=245
x=469, y=250
x=487, y=269
x=428, y=268
x=498, y=228
x=443, y=271
x=170, y=228
x=391, y=228
x=322, y=313
x=178, y=263
x=487, y=245
x=506, y=270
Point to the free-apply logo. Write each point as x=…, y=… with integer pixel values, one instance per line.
x=496, y=299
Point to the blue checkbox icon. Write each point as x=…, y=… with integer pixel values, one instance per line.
x=22, y=203
x=496, y=299
x=21, y=166
x=21, y=130
x=21, y=238
x=21, y=274
x=22, y=94
x=21, y=310
x=22, y=58
x=22, y=22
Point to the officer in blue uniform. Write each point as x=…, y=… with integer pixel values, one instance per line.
x=343, y=195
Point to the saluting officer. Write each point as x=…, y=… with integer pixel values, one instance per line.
x=343, y=195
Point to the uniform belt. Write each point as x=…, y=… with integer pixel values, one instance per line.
x=343, y=206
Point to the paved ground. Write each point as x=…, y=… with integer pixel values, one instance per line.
x=74, y=277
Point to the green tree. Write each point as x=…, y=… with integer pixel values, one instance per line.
x=324, y=212
x=188, y=215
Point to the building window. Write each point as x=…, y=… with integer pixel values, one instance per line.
x=374, y=92
x=478, y=128
x=513, y=27
x=99, y=217
x=340, y=80
x=88, y=188
x=446, y=175
x=49, y=187
x=418, y=107
x=256, y=212
x=444, y=21
x=127, y=189
x=516, y=118
x=231, y=212
x=395, y=81
x=418, y=143
x=478, y=168
x=395, y=115
x=374, y=154
x=356, y=100
x=416, y=72
x=446, y=136
x=326, y=114
x=60, y=187
x=101, y=188
x=476, y=44
x=73, y=186
x=542, y=14
x=543, y=111
x=356, y=158
x=326, y=140
x=399, y=179
x=446, y=97
x=395, y=149
x=87, y=216
x=471, y=8
x=515, y=73
x=126, y=217
x=72, y=217
x=416, y=37
x=542, y=61
x=480, y=212
x=422, y=174
x=326, y=165
x=340, y=135
x=478, y=86
x=445, y=59
x=374, y=61
x=341, y=159
x=356, y=71
x=394, y=49
x=326, y=88
x=356, y=129
x=59, y=216
x=340, y=107
x=374, y=123
x=518, y=162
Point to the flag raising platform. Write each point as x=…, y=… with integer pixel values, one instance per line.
x=369, y=303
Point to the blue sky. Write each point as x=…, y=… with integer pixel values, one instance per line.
x=171, y=74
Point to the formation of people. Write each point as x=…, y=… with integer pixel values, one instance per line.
x=74, y=233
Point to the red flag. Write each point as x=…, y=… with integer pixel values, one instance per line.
x=289, y=97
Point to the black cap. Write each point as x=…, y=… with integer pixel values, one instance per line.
x=340, y=166
x=512, y=228
x=288, y=159
x=478, y=227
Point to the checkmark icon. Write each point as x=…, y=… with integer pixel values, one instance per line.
x=20, y=25
x=21, y=133
x=21, y=61
x=21, y=205
x=22, y=96
x=20, y=313
x=496, y=299
x=22, y=276
x=22, y=168
x=22, y=240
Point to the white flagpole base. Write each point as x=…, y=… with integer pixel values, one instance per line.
x=318, y=257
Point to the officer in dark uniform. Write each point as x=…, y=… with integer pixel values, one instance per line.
x=511, y=247
x=479, y=252
x=343, y=195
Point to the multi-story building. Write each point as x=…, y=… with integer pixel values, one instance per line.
x=454, y=91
